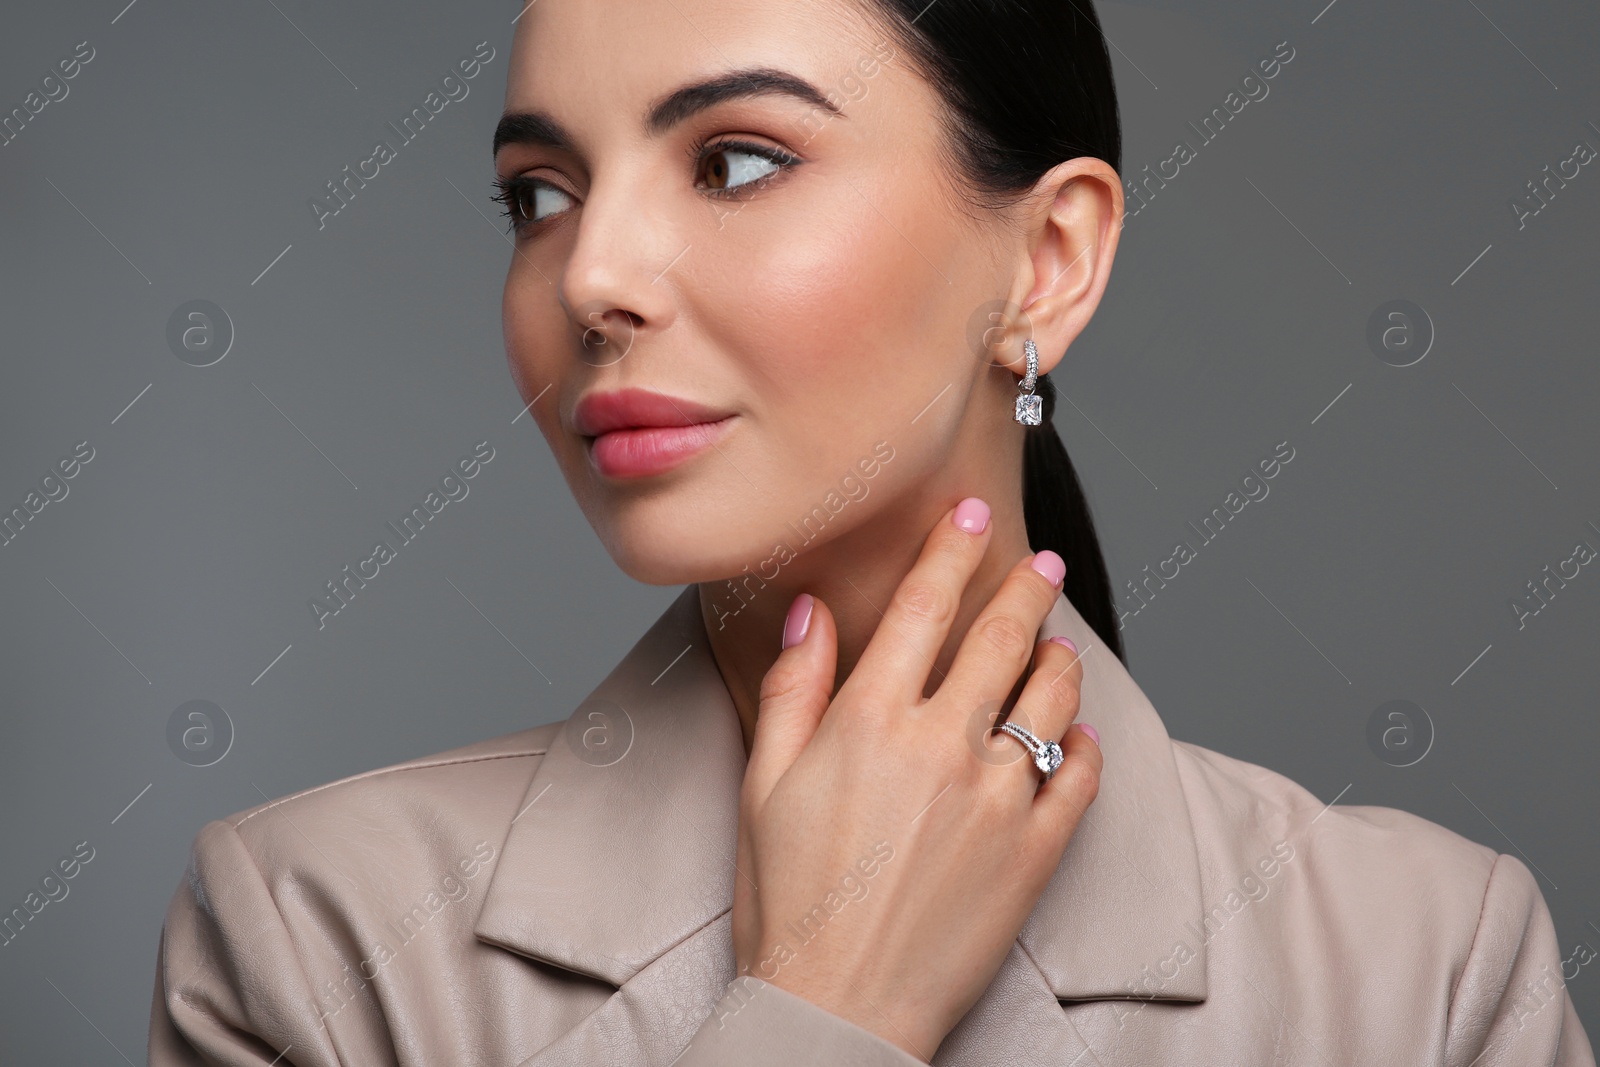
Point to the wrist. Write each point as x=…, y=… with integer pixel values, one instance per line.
x=875, y=1012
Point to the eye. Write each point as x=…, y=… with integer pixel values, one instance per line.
x=726, y=169
x=529, y=201
x=730, y=166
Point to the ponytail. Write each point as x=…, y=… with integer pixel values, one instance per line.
x=1005, y=133
x=1057, y=516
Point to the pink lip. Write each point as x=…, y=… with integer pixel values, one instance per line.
x=647, y=450
x=634, y=433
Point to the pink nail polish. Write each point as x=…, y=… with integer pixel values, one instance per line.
x=1064, y=640
x=798, y=621
x=971, y=515
x=1050, y=565
x=1094, y=735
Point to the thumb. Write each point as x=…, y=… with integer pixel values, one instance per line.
x=795, y=693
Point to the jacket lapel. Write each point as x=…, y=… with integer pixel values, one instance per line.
x=625, y=841
x=620, y=864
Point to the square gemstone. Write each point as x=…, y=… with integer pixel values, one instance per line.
x=1030, y=409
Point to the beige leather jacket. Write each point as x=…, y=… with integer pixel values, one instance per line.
x=561, y=895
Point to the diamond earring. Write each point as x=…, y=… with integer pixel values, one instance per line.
x=1030, y=406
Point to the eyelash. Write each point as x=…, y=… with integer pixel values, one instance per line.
x=510, y=190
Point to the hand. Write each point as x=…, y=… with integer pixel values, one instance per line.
x=887, y=864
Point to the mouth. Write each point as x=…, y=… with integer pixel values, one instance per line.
x=635, y=433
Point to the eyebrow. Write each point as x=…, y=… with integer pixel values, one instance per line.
x=539, y=128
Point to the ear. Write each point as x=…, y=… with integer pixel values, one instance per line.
x=1071, y=222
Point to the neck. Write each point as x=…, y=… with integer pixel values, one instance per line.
x=855, y=575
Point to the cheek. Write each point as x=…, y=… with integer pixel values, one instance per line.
x=521, y=320
x=535, y=333
x=831, y=312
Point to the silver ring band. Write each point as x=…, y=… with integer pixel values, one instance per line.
x=1047, y=755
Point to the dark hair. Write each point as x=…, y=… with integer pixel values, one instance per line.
x=1027, y=85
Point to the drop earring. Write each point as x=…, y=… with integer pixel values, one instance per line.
x=1030, y=406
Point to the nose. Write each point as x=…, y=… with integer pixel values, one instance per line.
x=617, y=281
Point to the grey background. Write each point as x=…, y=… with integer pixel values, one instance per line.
x=368, y=359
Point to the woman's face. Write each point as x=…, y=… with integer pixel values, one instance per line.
x=805, y=277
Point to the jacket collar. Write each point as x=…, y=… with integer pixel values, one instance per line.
x=624, y=844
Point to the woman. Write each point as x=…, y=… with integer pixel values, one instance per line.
x=780, y=274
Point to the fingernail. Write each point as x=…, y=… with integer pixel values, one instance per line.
x=1051, y=566
x=972, y=515
x=799, y=620
x=1065, y=641
x=1094, y=735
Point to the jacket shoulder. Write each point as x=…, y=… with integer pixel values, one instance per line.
x=470, y=791
x=290, y=921
x=1419, y=921
x=1371, y=882
x=1371, y=841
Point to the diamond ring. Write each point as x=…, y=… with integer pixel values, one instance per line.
x=1046, y=755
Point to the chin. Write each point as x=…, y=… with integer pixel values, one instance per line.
x=703, y=524
x=669, y=544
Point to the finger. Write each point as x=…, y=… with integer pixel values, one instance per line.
x=1061, y=801
x=1048, y=701
x=996, y=649
x=901, y=653
x=795, y=693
